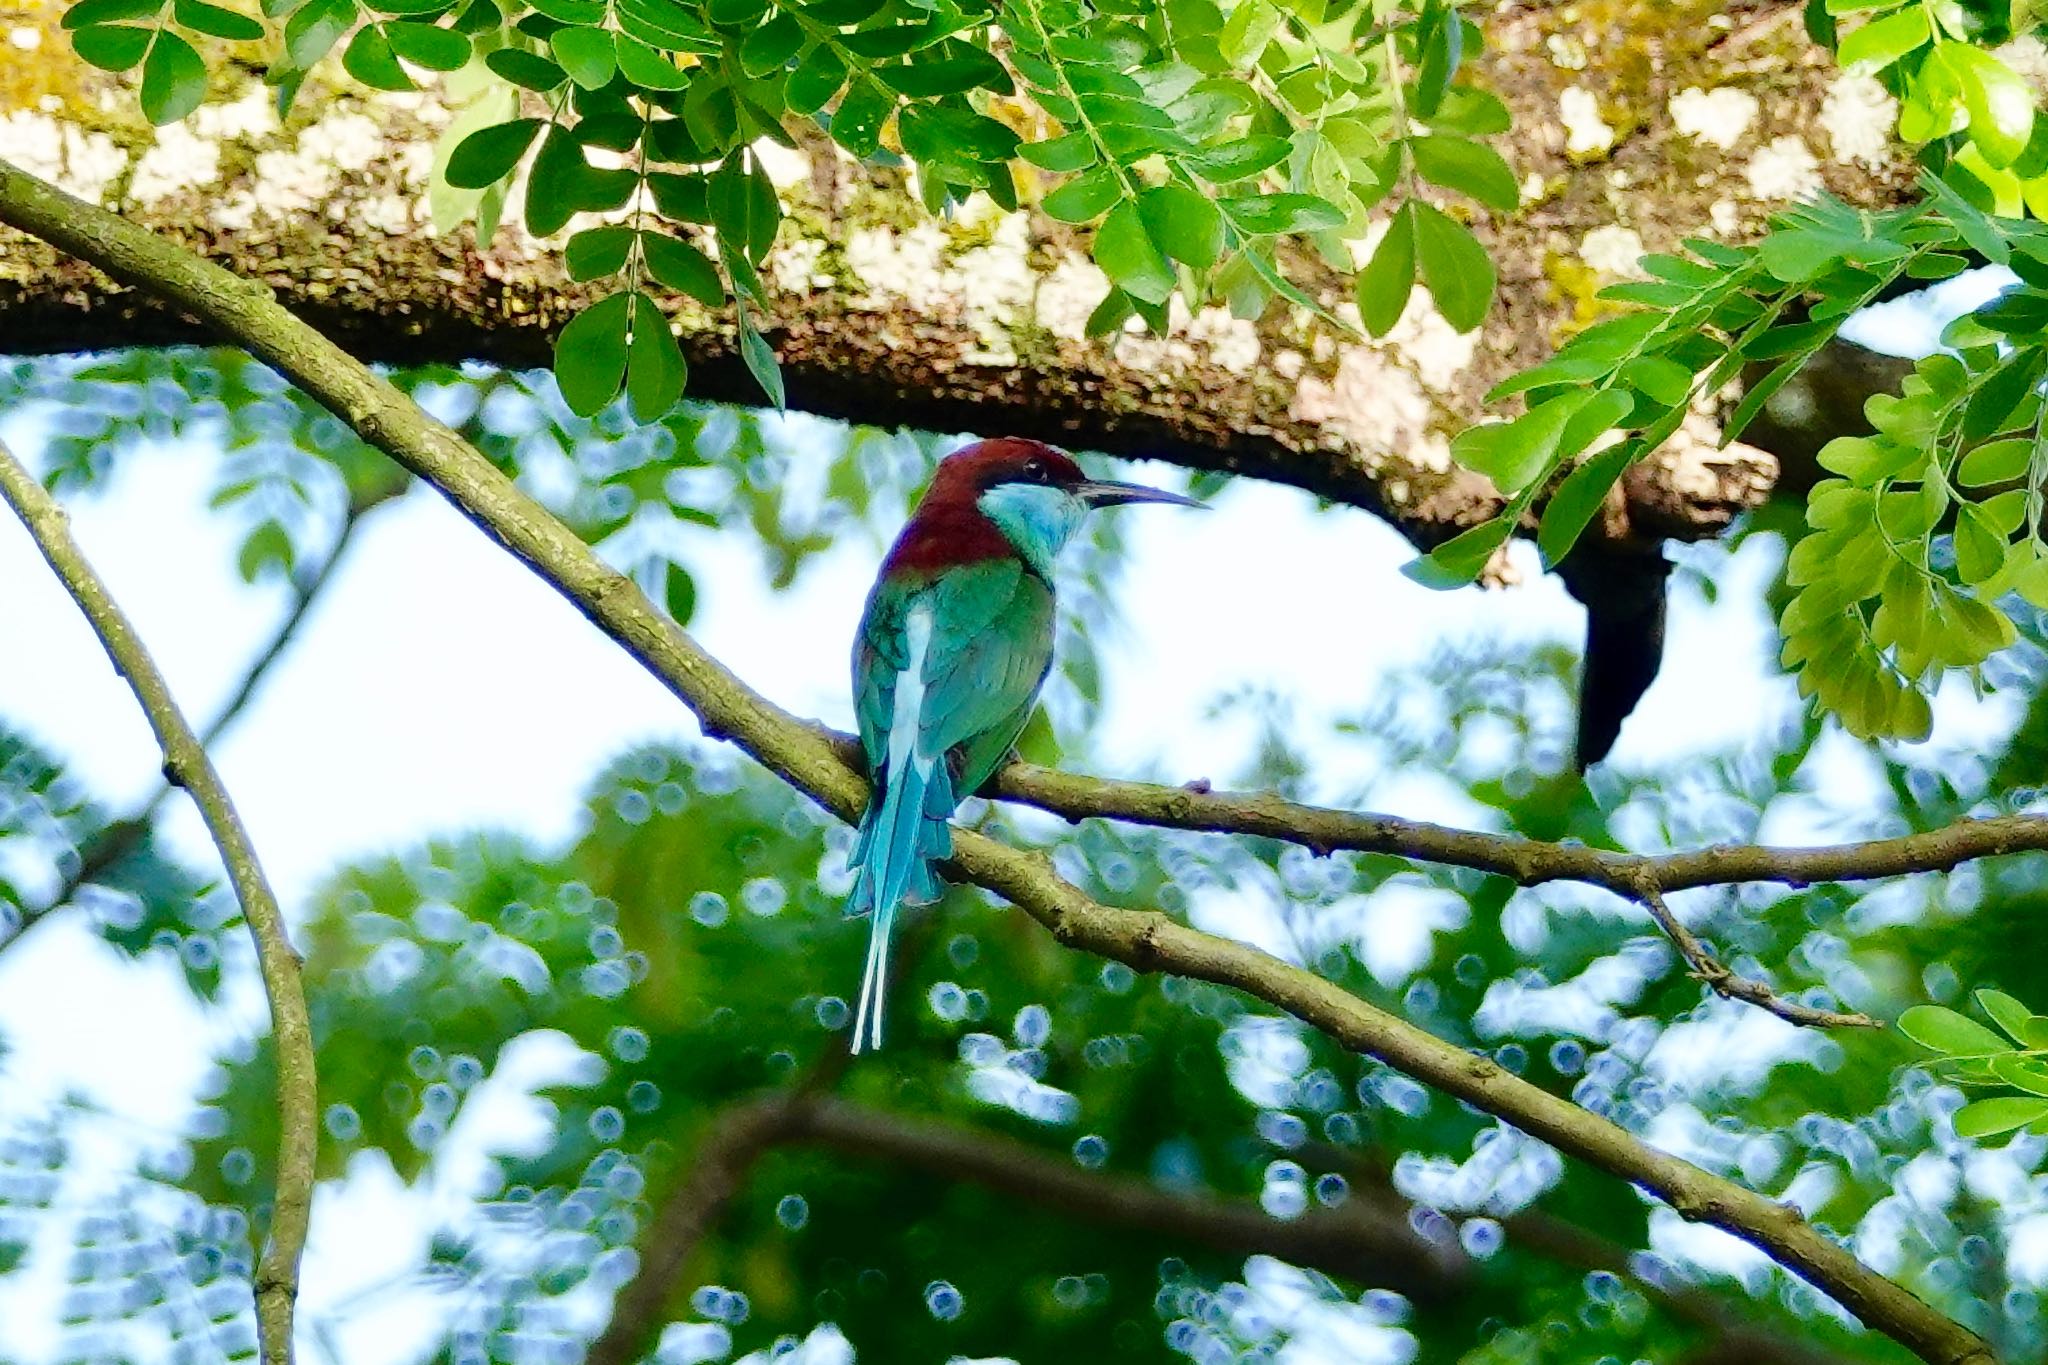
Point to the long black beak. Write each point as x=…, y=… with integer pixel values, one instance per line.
x=1104, y=493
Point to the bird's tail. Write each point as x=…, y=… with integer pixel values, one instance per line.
x=904, y=831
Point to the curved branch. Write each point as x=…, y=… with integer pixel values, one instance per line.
x=727, y=708
x=186, y=765
x=119, y=837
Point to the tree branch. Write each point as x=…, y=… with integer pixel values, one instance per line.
x=728, y=708
x=1729, y=984
x=1368, y=1239
x=186, y=765
x=1526, y=862
x=119, y=837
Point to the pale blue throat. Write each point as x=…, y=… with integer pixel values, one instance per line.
x=1036, y=518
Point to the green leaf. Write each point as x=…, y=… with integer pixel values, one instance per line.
x=314, y=28
x=1062, y=155
x=369, y=59
x=644, y=67
x=1184, y=223
x=956, y=71
x=1514, y=454
x=1995, y=462
x=87, y=13
x=1458, y=560
x=216, y=22
x=2000, y=103
x=1389, y=277
x=744, y=208
x=1469, y=167
x=1980, y=549
x=654, y=362
x=679, y=590
x=761, y=362
x=769, y=47
x=529, y=70
x=112, y=47
x=1128, y=255
x=1439, y=43
x=1659, y=378
x=1251, y=25
x=488, y=155
x=1581, y=494
x=1983, y=1118
x=1943, y=1030
x=815, y=81
x=173, y=80
x=2008, y=1013
x=598, y=251
x=267, y=545
x=1085, y=197
x=1472, y=111
x=857, y=123
x=1456, y=268
x=1239, y=159
x=587, y=55
x=2021, y=1072
x=427, y=45
x=682, y=267
x=590, y=355
x=1881, y=42
x=2000, y=394
x=1269, y=215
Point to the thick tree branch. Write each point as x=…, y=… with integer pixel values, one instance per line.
x=728, y=708
x=186, y=765
x=119, y=837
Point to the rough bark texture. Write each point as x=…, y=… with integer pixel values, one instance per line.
x=1636, y=125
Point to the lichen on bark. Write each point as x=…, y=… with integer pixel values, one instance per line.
x=882, y=315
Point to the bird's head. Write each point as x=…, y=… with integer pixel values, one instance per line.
x=972, y=472
x=1008, y=496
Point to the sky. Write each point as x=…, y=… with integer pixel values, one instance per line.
x=392, y=717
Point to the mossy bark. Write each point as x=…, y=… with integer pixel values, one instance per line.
x=882, y=316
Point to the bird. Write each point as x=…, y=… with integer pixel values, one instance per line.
x=953, y=646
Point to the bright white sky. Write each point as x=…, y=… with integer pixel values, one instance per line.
x=392, y=719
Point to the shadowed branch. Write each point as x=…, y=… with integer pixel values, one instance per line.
x=728, y=708
x=186, y=765
x=1369, y=1239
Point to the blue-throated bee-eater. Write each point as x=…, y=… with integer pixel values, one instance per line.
x=953, y=648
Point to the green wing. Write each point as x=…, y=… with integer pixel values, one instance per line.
x=990, y=649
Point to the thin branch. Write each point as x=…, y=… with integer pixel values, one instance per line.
x=726, y=707
x=1367, y=1239
x=118, y=838
x=733, y=1142
x=186, y=765
x=1526, y=862
x=1727, y=983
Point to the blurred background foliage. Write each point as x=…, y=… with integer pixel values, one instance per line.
x=686, y=952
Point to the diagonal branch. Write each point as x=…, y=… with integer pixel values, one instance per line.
x=119, y=837
x=1730, y=984
x=726, y=707
x=186, y=765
